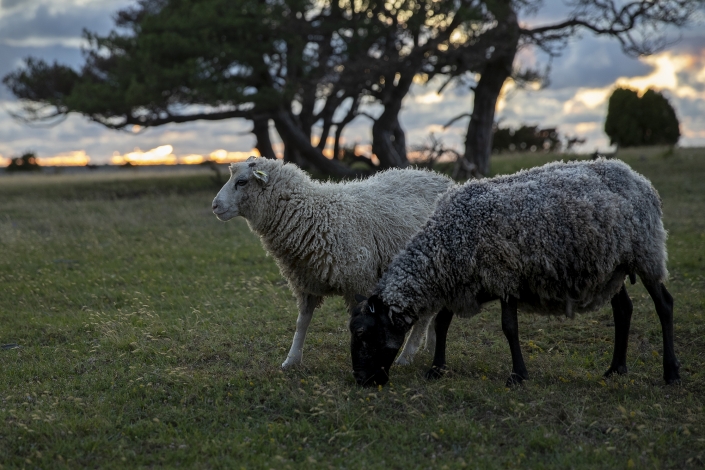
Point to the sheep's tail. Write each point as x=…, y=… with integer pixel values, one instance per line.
x=632, y=278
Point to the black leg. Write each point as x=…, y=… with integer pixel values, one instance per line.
x=664, y=307
x=510, y=327
x=442, y=322
x=622, y=313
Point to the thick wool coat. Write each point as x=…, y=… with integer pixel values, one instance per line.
x=336, y=238
x=560, y=238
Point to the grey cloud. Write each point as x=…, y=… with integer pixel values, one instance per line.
x=11, y=58
x=593, y=116
x=45, y=24
x=687, y=78
x=42, y=23
x=689, y=108
x=550, y=11
x=594, y=63
x=11, y=3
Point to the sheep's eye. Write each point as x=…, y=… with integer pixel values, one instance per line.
x=240, y=183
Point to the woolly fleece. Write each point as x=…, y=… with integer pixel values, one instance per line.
x=330, y=238
x=560, y=238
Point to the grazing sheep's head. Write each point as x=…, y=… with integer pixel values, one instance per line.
x=375, y=341
x=229, y=201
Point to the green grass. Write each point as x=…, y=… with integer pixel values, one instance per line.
x=151, y=335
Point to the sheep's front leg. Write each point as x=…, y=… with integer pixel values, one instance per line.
x=510, y=327
x=431, y=336
x=622, y=312
x=441, y=324
x=307, y=304
x=413, y=342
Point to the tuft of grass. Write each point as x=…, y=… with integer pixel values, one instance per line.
x=142, y=332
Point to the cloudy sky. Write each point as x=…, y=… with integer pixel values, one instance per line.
x=581, y=80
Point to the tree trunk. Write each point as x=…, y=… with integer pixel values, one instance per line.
x=264, y=143
x=389, y=142
x=388, y=137
x=478, y=140
x=295, y=139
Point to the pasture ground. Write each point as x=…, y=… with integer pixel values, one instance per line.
x=150, y=335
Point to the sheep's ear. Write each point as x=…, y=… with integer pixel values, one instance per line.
x=360, y=298
x=252, y=158
x=375, y=304
x=261, y=176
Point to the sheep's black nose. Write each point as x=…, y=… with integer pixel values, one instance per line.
x=215, y=205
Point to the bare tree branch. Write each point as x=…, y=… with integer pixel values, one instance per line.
x=456, y=118
x=637, y=25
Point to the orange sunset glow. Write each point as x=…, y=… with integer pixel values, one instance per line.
x=164, y=155
x=75, y=158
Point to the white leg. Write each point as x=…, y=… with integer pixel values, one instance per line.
x=431, y=335
x=307, y=304
x=413, y=342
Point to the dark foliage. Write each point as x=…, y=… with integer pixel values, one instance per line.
x=25, y=162
x=635, y=121
x=525, y=138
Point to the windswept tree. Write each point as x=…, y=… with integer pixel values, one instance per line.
x=175, y=61
x=424, y=40
x=637, y=25
x=294, y=63
x=311, y=67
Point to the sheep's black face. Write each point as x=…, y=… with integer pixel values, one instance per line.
x=374, y=343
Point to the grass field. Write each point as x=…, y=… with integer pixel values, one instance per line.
x=150, y=335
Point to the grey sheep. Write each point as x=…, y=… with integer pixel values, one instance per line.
x=557, y=239
x=330, y=238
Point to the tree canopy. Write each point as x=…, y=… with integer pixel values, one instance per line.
x=310, y=67
x=295, y=62
x=647, y=120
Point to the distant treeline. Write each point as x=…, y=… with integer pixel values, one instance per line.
x=532, y=139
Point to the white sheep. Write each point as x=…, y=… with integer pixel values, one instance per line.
x=330, y=238
x=558, y=239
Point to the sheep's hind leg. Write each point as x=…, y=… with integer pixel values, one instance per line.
x=664, y=307
x=307, y=304
x=622, y=313
x=413, y=342
x=510, y=327
x=441, y=324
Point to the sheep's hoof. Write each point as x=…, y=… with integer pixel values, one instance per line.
x=435, y=372
x=514, y=380
x=290, y=363
x=672, y=377
x=620, y=370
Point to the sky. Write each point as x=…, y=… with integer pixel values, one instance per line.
x=575, y=100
